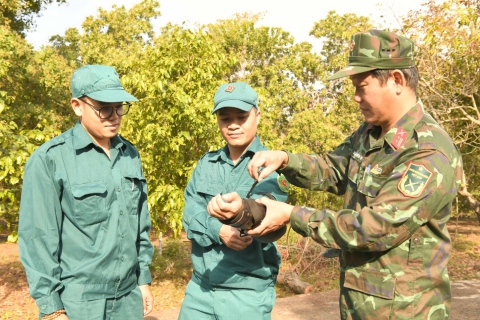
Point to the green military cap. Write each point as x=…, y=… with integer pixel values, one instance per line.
x=237, y=95
x=100, y=83
x=377, y=49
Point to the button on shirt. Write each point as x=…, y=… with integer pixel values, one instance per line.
x=215, y=265
x=84, y=221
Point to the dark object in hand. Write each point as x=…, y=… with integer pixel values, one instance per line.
x=250, y=217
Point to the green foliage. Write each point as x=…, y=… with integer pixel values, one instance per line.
x=25, y=123
x=448, y=39
x=173, y=126
x=176, y=72
x=19, y=15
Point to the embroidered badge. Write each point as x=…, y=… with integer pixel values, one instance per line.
x=376, y=170
x=229, y=88
x=283, y=184
x=399, y=138
x=414, y=180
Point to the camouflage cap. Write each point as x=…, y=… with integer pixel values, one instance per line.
x=377, y=49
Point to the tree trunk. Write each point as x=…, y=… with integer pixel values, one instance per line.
x=471, y=199
x=291, y=280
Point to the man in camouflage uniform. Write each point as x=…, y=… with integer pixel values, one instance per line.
x=399, y=172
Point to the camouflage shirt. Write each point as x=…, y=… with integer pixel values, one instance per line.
x=392, y=230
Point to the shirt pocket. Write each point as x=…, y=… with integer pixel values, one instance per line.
x=370, y=185
x=132, y=186
x=371, y=289
x=371, y=282
x=89, y=203
x=209, y=189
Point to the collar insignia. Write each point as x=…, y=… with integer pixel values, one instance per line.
x=399, y=138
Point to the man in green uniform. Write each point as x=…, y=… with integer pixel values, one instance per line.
x=399, y=172
x=84, y=222
x=233, y=275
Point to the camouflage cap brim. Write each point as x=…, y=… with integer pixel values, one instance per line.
x=350, y=71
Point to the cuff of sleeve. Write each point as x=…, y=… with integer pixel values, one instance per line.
x=299, y=220
x=144, y=277
x=293, y=164
x=214, y=230
x=49, y=304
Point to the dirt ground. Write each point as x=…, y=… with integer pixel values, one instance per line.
x=15, y=302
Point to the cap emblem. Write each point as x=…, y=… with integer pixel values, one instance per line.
x=352, y=45
x=229, y=88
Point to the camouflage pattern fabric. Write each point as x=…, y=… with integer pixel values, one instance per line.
x=392, y=230
x=377, y=49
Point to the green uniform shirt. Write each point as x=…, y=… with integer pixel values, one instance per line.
x=214, y=264
x=84, y=221
x=392, y=230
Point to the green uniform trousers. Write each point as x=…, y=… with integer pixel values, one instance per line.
x=126, y=307
x=226, y=304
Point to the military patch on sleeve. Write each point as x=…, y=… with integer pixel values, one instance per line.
x=414, y=180
x=283, y=184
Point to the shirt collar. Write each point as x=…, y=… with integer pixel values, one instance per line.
x=255, y=146
x=402, y=130
x=83, y=139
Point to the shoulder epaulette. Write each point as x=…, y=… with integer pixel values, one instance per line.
x=55, y=141
x=426, y=140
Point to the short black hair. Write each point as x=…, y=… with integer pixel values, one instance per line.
x=411, y=76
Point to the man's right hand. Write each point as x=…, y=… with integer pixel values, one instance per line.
x=269, y=161
x=230, y=236
x=225, y=206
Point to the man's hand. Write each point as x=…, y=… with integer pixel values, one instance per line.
x=225, y=206
x=230, y=236
x=147, y=298
x=269, y=160
x=278, y=215
x=62, y=317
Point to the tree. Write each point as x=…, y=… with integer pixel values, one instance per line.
x=175, y=79
x=19, y=15
x=448, y=39
x=25, y=122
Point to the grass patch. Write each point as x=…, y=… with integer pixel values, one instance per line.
x=171, y=271
x=465, y=261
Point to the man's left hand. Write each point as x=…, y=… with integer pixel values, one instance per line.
x=147, y=298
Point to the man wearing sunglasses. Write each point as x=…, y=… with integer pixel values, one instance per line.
x=84, y=221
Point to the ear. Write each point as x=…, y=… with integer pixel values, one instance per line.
x=76, y=106
x=400, y=81
x=258, y=116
